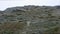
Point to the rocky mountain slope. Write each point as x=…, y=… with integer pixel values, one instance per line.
x=30, y=20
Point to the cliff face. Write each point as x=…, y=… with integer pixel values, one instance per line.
x=41, y=18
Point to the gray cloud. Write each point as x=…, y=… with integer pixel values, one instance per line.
x=11, y=3
x=11, y=0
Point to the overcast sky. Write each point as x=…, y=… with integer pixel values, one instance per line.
x=12, y=3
